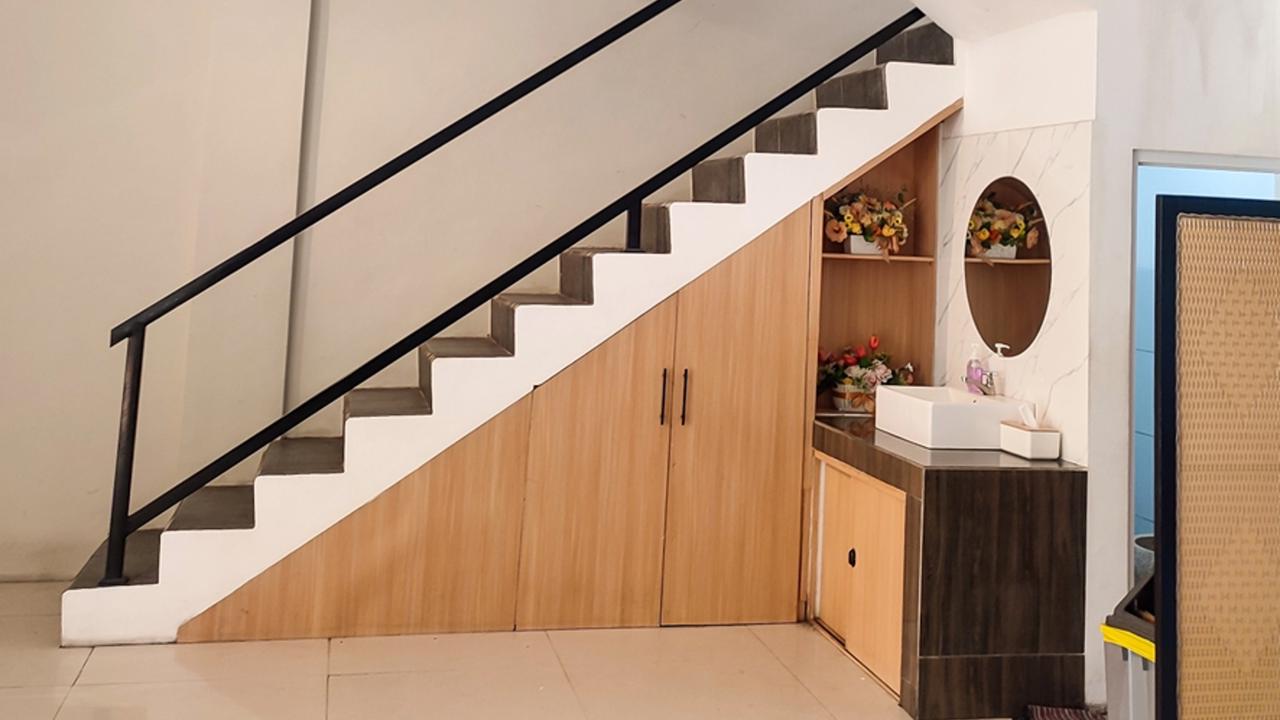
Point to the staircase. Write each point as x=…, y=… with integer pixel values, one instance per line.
x=221, y=537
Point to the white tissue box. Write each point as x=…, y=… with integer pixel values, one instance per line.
x=1030, y=443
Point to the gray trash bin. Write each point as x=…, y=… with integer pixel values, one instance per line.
x=1129, y=635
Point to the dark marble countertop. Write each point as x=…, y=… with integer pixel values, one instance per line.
x=861, y=431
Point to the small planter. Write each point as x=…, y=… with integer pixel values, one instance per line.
x=852, y=400
x=1002, y=252
x=855, y=245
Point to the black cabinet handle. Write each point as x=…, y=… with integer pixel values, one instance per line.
x=662, y=412
x=684, y=397
x=853, y=557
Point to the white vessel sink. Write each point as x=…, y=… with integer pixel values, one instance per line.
x=944, y=418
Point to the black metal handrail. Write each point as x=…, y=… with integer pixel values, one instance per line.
x=134, y=329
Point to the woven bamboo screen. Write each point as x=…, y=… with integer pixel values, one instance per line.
x=1228, y=468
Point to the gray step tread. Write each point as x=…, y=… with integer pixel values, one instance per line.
x=303, y=456
x=928, y=44
x=460, y=347
x=228, y=507
x=793, y=134
x=514, y=299
x=592, y=251
x=141, y=562
x=864, y=89
x=386, y=402
x=722, y=180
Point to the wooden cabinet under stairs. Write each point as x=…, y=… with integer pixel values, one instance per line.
x=657, y=480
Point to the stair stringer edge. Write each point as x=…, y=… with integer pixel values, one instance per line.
x=200, y=568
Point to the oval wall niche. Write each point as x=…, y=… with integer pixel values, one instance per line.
x=1008, y=267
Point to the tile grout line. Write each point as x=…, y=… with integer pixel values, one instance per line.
x=565, y=672
x=76, y=682
x=791, y=672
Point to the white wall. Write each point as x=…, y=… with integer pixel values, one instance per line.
x=1040, y=74
x=1173, y=75
x=140, y=142
x=395, y=71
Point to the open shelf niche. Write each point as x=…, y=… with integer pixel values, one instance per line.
x=862, y=295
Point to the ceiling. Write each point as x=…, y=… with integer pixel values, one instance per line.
x=976, y=19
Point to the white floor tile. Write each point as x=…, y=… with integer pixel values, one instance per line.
x=509, y=692
x=278, y=660
x=292, y=699
x=32, y=598
x=30, y=656
x=31, y=703
x=490, y=675
x=412, y=653
x=704, y=673
x=838, y=683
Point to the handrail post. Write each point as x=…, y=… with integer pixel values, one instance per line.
x=118, y=532
x=633, y=227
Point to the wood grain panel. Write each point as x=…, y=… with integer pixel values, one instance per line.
x=1008, y=301
x=835, y=608
x=733, y=510
x=1019, y=538
x=436, y=552
x=998, y=686
x=891, y=300
x=591, y=554
x=875, y=633
x=809, y=483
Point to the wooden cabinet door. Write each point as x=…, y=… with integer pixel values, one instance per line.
x=835, y=590
x=733, y=508
x=879, y=518
x=591, y=552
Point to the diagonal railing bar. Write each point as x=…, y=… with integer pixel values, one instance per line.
x=627, y=203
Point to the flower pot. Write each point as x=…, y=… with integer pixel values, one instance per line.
x=848, y=400
x=842, y=400
x=1001, y=252
x=856, y=245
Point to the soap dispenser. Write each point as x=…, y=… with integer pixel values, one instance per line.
x=975, y=375
x=995, y=369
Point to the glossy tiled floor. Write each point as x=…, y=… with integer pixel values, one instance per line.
x=774, y=671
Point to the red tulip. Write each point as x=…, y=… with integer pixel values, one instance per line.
x=861, y=352
x=875, y=342
x=849, y=359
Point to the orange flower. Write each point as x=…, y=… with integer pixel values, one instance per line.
x=836, y=231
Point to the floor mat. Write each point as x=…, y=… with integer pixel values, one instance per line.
x=1036, y=712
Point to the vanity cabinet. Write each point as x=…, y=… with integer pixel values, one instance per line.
x=665, y=466
x=967, y=594
x=863, y=526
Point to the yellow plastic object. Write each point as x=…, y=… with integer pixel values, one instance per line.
x=1135, y=644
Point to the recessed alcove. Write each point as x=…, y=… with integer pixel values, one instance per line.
x=1008, y=297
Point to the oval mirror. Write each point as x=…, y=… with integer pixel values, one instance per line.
x=1007, y=265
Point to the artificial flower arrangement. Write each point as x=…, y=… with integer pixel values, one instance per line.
x=853, y=375
x=851, y=217
x=999, y=232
